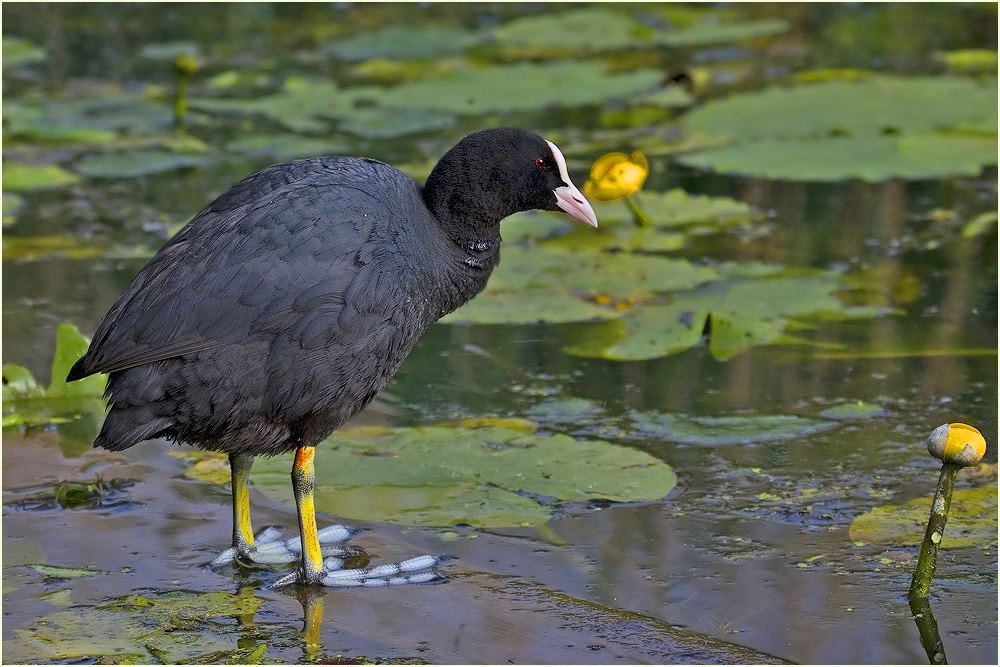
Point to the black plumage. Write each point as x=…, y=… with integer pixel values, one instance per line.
x=287, y=304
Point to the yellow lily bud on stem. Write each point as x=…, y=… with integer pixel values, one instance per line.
x=618, y=176
x=957, y=445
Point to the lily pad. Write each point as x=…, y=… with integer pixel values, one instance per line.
x=406, y=42
x=30, y=248
x=727, y=429
x=869, y=159
x=17, y=176
x=972, y=520
x=520, y=87
x=873, y=128
x=287, y=146
x=744, y=314
x=581, y=30
x=855, y=410
x=383, y=123
x=543, y=284
x=490, y=476
x=173, y=627
x=130, y=164
x=677, y=208
x=710, y=32
x=17, y=52
x=12, y=203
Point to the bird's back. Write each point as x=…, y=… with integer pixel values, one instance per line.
x=279, y=311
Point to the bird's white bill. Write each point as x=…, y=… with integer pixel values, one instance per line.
x=568, y=197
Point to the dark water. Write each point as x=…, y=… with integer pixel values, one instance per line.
x=716, y=572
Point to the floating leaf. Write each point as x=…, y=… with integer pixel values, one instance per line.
x=545, y=284
x=439, y=475
x=708, y=32
x=30, y=248
x=285, y=146
x=581, y=30
x=12, y=203
x=744, y=313
x=972, y=520
x=173, y=627
x=168, y=51
x=17, y=52
x=870, y=159
x=64, y=572
x=855, y=410
x=981, y=224
x=873, y=129
x=727, y=430
x=17, y=176
x=70, y=346
x=136, y=163
x=382, y=123
x=677, y=208
x=405, y=42
x=520, y=87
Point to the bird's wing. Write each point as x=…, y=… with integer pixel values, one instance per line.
x=277, y=242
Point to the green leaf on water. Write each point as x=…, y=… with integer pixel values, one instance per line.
x=70, y=346
x=406, y=42
x=676, y=208
x=19, y=382
x=29, y=248
x=174, y=627
x=446, y=475
x=544, y=284
x=520, y=87
x=873, y=128
x=385, y=122
x=590, y=29
x=17, y=176
x=711, y=32
x=972, y=520
x=12, y=203
x=17, y=52
x=727, y=429
x=869, y=159
x=742, y=314
x=129, y=164
x=64, y=572
x=981, y=224
x=855, y=410
x=287, y=146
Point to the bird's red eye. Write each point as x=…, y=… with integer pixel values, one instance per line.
x=540, y=163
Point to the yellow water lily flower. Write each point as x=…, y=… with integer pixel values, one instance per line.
x=957, y=443
x=616, y=176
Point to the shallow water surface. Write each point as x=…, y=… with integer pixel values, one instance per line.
x=750, y=558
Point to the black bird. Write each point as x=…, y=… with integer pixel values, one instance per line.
x=286, y=305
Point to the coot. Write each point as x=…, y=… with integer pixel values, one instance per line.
x=284, y=307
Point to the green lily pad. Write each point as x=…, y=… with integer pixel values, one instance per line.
x=18, y=176
x=972, y=520
x=544, y=284
x=728, y=429
x=114, y=111
x=168, y=51
x=174, y=627
x=130, y=164
x=287, y=146
x=17, y=52
x=855, y=410
x=12, y=203
x=441, y=475
x=870, y=159
x=29, y=248
x=711, y=32
x=677, y=208
x=64, y=572
x=406, y=42
x=70, y=346
x=383, y=123
x=297, y=106
x=581, y=30
x=520, y=87
x=873, y=128
x=981, y=224
x=744, y=314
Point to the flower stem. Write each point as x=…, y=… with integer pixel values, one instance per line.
x=927, y=560
x=638, y=213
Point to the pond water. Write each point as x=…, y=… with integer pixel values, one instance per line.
x=778, y=446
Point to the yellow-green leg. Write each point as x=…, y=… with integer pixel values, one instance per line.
x=303, y=484
x=240, y=465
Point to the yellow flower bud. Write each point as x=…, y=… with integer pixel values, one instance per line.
x=616, y=176
x=957, y=443
x=186, y=64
